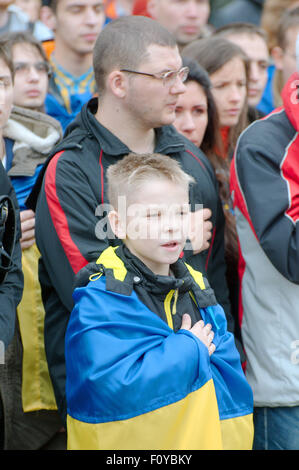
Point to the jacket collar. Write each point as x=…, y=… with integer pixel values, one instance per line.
x=168, y=140
x=181, y=279
x=123, y=271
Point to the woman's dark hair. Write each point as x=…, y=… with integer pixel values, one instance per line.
x=198, y=74
x=212, y=53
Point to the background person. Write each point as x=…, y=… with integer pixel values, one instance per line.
x=264, y=182
x=29, y=406
x=13, y=18
x=116, y=8
x=76, y=25
x=186, y=20
x=227, y=66
x=253, y=40
x=271, y=22
x=238, y=10
x=196, y=113
x=11, y=277
x=284, y=53
x=11, y=286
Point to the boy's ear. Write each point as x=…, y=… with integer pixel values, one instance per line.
x=116, y=224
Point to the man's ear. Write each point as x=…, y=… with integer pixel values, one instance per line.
x=117, y=225
x=277, y=56
x=48, y=17
x=117, y=83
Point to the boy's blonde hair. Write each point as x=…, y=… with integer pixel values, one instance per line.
x=134, y=170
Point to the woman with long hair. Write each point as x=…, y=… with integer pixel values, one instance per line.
x=227, y=67
x=196, y=113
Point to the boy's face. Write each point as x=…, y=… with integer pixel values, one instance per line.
x=256, y=50
x=6, y=93
x=156, y=225
x=31, y=76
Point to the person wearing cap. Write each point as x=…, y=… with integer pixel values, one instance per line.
x=265, y=190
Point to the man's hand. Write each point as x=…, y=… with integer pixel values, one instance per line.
x=203, y=332
x=200, y=230
x=28, y=228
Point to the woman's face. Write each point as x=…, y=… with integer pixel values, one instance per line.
x=192, y=113
x=6, y=93
x=229, y=91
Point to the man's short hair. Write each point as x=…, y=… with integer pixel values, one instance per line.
x=241, y=28
x=123, y=43
x=133, y=171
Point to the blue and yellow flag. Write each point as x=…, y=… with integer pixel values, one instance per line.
x=133, y=383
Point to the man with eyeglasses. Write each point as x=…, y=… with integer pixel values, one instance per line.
x=139, y=76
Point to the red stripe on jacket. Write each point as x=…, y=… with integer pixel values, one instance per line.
x=74, y=256
x=290, y=171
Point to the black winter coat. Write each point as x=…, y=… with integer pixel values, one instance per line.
x=11, y=281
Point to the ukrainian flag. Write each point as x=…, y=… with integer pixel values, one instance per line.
x=133, y=383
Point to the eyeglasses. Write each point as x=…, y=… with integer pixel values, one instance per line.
x=40, y=67
x=168, y=78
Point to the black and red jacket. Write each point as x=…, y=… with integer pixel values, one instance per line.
x=265, y=190
x=67, y=200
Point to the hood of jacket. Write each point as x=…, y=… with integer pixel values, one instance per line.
x=86, y=123
x=34, y=134
x=123, y=270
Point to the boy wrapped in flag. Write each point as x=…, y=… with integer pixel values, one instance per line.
x=150, y=363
